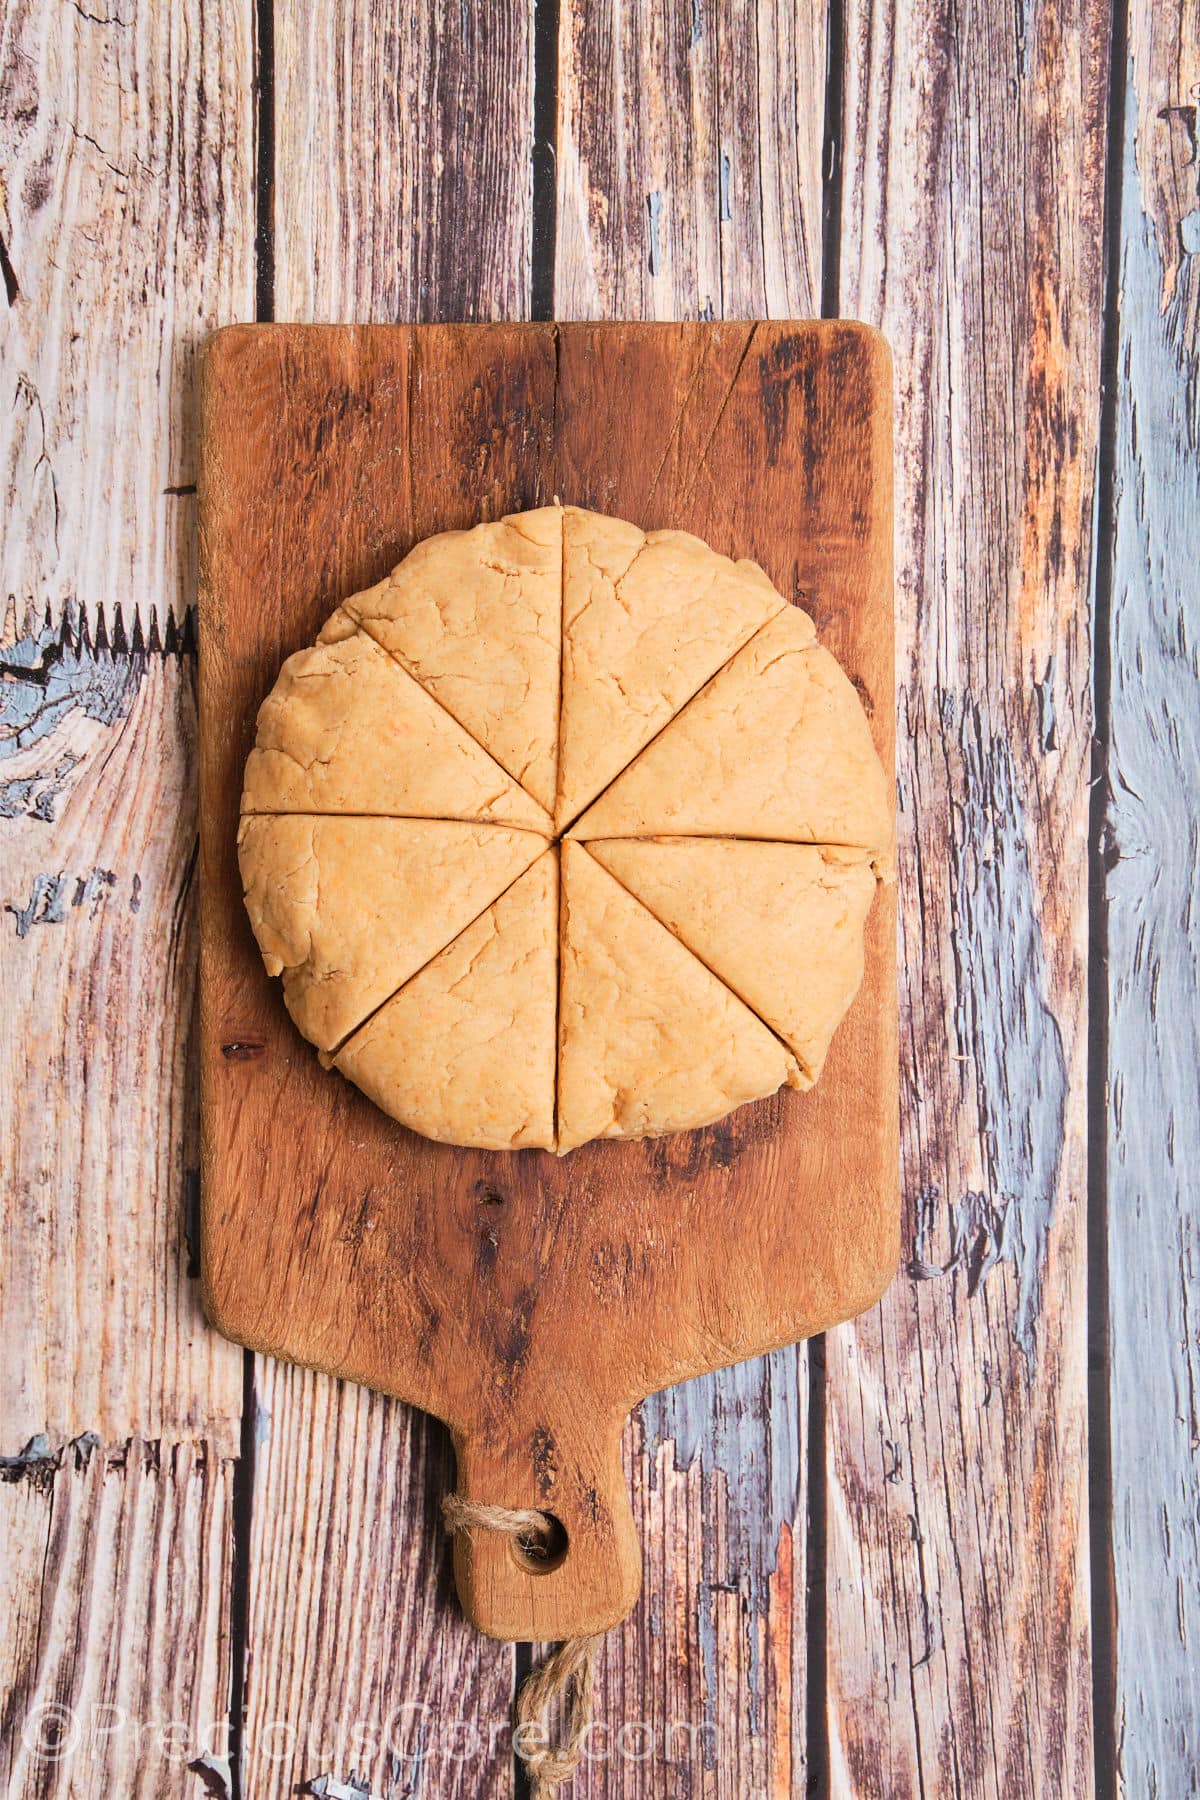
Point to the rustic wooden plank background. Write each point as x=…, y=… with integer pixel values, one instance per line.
x=127, y=219
x=959, y=1611
x=1150, y=856
x=954, y=1549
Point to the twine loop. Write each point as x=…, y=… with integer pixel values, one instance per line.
x=568, y=1673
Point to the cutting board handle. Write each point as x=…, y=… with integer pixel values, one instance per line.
x=593, y=1579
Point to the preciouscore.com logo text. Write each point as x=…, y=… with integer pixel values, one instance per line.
x=412, y=1733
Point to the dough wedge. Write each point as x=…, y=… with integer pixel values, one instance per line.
x=647, y=619
x=781, y=924
x=649, y=1040
x=347, y=909
x=465, y=1051
x=475, y=616
x=346, y=730
x=777, y=746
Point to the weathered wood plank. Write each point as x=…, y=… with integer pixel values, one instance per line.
x=97, y=1095
x=689, y=185
x=115, y=1656
x=689, y=160
x=359, y=1659
x=706, y=1694
x=126, y=209
x=958, y=1626
x=1153, y=863
x=127, y=216
x=403, y=146
x=402, y=191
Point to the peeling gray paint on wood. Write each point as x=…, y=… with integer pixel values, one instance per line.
x=51, y=671
x=1009, y=1044
x=1153, y=863
x=52, y=895
x=91, y=666
x=654, y=257
x=742, y=1425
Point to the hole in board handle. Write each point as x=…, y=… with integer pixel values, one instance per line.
x=540, y=1553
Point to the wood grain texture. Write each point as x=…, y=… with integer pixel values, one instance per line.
x=959, y=1637
x=115, y=1659
x=126, y=232
x=457, y=1279
x=402, y=159
x=107, y=207
x=127, y=215
x=117, y=260
x=115, y=178
x=689, y=160
x=1152, y=858
x=703, y=1691
x=385, y=1677
x=98, y=1094
x=113, y=269
x=422, y=85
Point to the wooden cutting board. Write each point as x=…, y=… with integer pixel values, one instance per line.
x=530, y=1302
